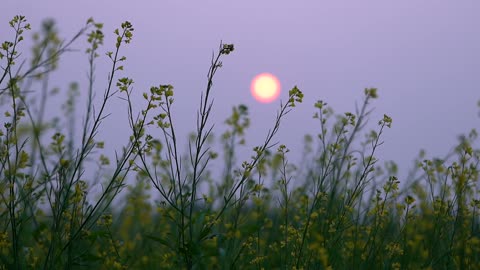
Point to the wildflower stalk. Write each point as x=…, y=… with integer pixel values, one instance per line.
x=295, y=96
x=286, y=196
x=203, y=134
x=13, y=158
x=113, y=185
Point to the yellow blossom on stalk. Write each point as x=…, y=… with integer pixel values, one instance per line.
x=258, y=201
x=258, y=259
x=4, y=243
x=396, y=266
x=394, y=249
x=323, y=254
x=105, y=220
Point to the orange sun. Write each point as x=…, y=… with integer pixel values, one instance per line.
x=265, y=87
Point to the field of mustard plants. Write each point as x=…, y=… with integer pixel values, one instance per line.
x=65, y=204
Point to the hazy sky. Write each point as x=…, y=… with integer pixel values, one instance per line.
x=423, y=56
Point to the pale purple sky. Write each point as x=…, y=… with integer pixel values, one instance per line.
x=423, y=56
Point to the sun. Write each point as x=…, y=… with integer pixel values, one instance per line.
x=265, y=87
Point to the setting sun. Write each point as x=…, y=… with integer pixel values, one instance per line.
x=265, y=87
